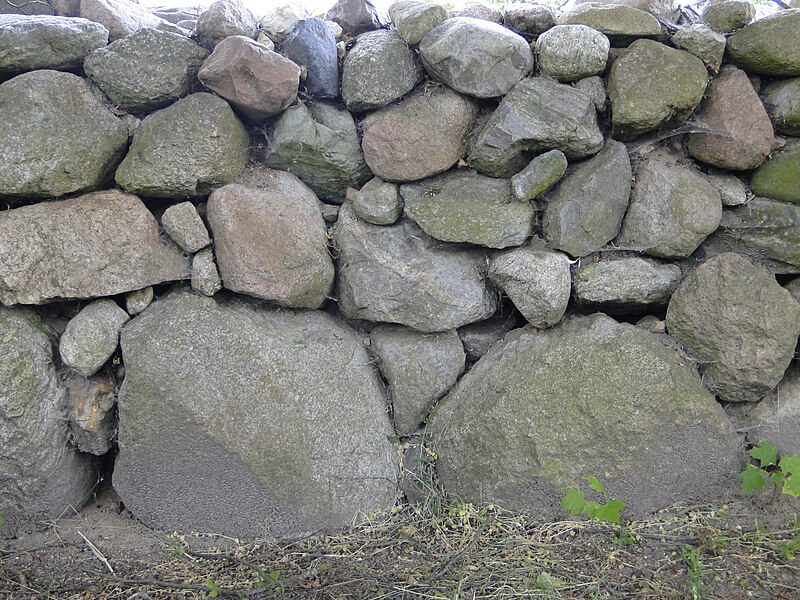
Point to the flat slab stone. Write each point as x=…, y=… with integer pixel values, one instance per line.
x=622, y=24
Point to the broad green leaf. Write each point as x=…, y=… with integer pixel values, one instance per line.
x=765, y=453
x=595, y=484
x=213, y=588
x=274, y=575
x=591, y=509
x=790, y=464
x=609, y=511
x=753, y=479
x=546, y=581
x=791, y=485
x=573, y=501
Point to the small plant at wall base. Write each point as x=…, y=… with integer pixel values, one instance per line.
x=783, y=473
x=575, y=502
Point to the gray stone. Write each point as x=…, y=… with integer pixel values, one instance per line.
x=377, y=202
x=43, y=475
x=478, y=9
x=222, y=19
x=120, y=17
x=572, y=52
x=199, y=130
x=277, y=428
x=776, y=418
x=357, y=16
x=732, y=191
x=71, y=249
x=420, y=136
x=596, y=88
x=529, y=19
x=176, y=14
x=419, y=368
x=465, y=206
x=61, y=8
x=541, y=174
x=538, y=282
x=92, y=336
x=318, y=142
x=479, y=337
x=739, y=322
x=279, y=19
x=537, y=115
x=662, y=9
x=652, y=324
x=475, y=57
x=92, y=420
x=673, y=209
x=28, y=43
x=627, y=284
x=782, y=101
x=137, y=300
x=779, y=176
x=794, y=288
x=330, y=212
x=188, y=25
x=703, y=42
x=57, y=136
x=146, y=70
x=414, y=18
x=184, y=225
x=398, y=274
x=726, y=16
x=311, y=45
x=586, y=209
x=622, y=24
x=205, y=277
x=542, y=410
x=769, y=46
x=653, y=86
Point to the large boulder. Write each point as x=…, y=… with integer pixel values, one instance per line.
x=92, y=336
x=779, y=176
x=770, y=46
x=742, y=132
x=57, y=136
x=222, y=19
x=585, y=210
x=120, y=17
x=622, y=24
x=542, y=410
x=739, y=322
x=277, y=427
x=726, y=16
x=318, y=142
x=71, y=249
x=311, y=45
x=357, y=16
x=270, y=242
x=782, y=100
x=398, y=274
x=199, y=130
x=465, y=206
x=537, y=115
x=421, y=136
x=28, y=43
x=653, y=86
x=43, y=474
x=146, y=70
x=476, y=57
x=414, y=18
x=572, y=52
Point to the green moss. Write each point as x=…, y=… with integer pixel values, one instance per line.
x=779, y=176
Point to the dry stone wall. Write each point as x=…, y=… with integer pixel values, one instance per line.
x=266, y=262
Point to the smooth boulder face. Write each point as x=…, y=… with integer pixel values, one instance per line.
x=622, y=24
x=465, y=206
x=92, y=336
x=542, y=173
x=377, y=202
x=475, y=57
x=225, y=18
x=120, y=17
x=398, y=274
x=743, y=134
x=726, y=16
x=413, y=19
x=537, y=115
x=311, y=45
x=184, y=225
x=146, y=70
x=423, y=135
x=34, y=428
x=57, y=136
x=542, y=410
x=739, y=322
x=782, y=100
x=770, y=46
x=378, y=70
x=277, y=428
x=585, y=210
x=779, y=176
x=270, y=242
x=70, y=249
x=572, y=52
x=28, y=43
x=652, y=86
x=199, y=130
x=255, y=80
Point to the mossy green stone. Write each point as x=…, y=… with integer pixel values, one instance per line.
x=779, y=176
x=769, y=46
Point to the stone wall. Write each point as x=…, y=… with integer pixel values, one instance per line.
x=287, y=270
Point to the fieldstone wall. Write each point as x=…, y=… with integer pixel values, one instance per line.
x=276, y=265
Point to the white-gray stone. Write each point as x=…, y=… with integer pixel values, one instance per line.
x=184, y=225
x=137, y=300
x=626, y=284
x=572, y=52
x=205, y=277
x=732, y=190
x=92, y=336
x=414, y=18
x=222, y=19
x=377, y=202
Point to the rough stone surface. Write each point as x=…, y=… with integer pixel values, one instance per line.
x=782, y=100
x=28, y=43
x=726, y=16
x=120, y=17
x=478, y=9
x=377, y=202
x=278, y=428
x=222, y=19
x=702, y=42
x=732, y=191
x=779, y=176
x=71, y=249
x=538, y=282
x=177, y=14
x=776, y=418
x=479, y=337
x=146, y=70
x=622, y=24
x=544, y=409
x=92, y=336
x=205, y=277
x=572, y=52
x=743, y=134
x=92, y=421
x=586, y=209
x=653, y=86
x=769, y=46
x=739, y=322
x=624, y=285
x=658, y=8
x=311, y=45
x=33, y=428
x=137, y=300
x=318, y=142
x=596, y=88
x=465, y=206
x=537, y=115
x=270, y=242
x=199, y=130
x=421, y=136
x=278, y=20
x=61, y=8
x=413, y=19
x=184, y=225
x=541, y=174
x=419, y=368
x=255, y=80
x=673, y=208
x=794, y=288
x=356, y=16
x=57, y=137
x=476, y=57
x=398, y=274
x=529, y=19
